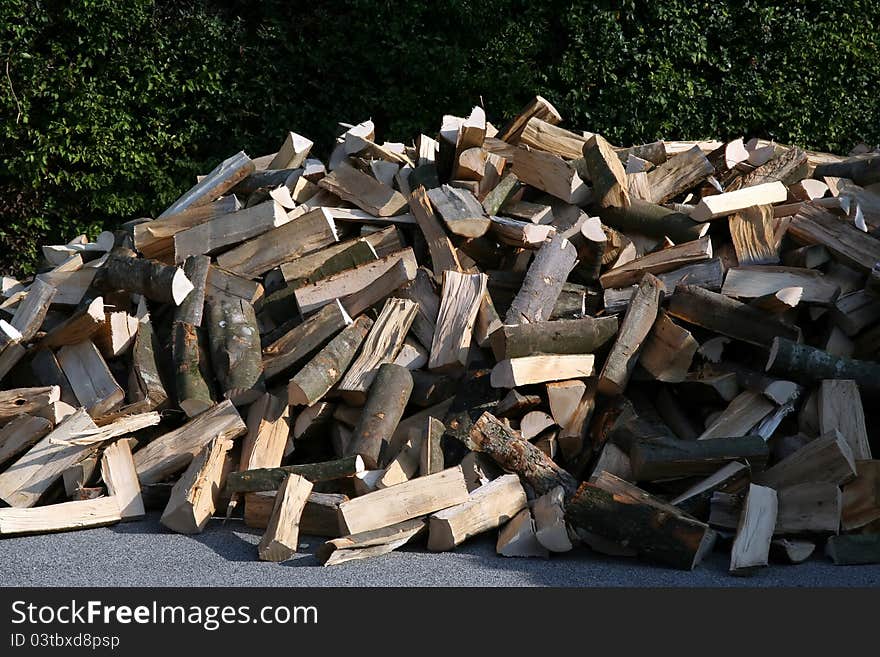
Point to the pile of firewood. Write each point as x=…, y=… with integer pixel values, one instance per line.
x=653, y=351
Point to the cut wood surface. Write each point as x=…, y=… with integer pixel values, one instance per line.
x=90, y=378
x=513, y=372
x=659, y=262
x=364, y=191
x=840, y=408
x=220, y=180
x=460, y=210
x=67, y=516
x=753, y=233
x=195, y=495
x=678, y=174
x=543, y=282
x=725, y=204
x=281, y=539
x=459, y=304
x=751, y=548
x=758, y=281
x=118, y=472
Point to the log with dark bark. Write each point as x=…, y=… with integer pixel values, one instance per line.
x=158, y=282
x=654, y=221
x=652, y=460
x=236, y=356
x=263, y=479
x=562, y=336
x=807, y=364
x=543, y=282
x=191, y=370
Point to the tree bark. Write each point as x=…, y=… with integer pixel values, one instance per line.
x=191, y=310
x=191, y=370
x=808, y=364
x=235, y=349
x=562, y=336
x=261, y=479
x=653, y=220
x=157, y=282
x=652, y=460
x=543, y=282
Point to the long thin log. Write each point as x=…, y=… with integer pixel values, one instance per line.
x=543, y=282
x=562, y=336
x=808, y=364
x=262, y=479
x=158, y=282
x=654, y=221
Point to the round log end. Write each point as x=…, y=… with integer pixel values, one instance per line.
x=180, y=287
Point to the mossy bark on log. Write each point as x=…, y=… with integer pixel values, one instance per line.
x=262, y=479
x=145, y=382
x=236, y=356
x=543, y=282
x=386, y=400
x=157, y=282
x=653, y=220
x=562, y=336
x=509, y=450
x=191, y=370
x=808, y=364
x=320, y=374
x=191, y=310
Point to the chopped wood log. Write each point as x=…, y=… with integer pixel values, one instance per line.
x=431, y=459
x=28, y=478
x=340, y=256
x=31, y=311
x=236, y=356
x=855, y=311
x=668, y=350
x=654, y=221
x=563, y=398
x=549, y=514
x=814, y=225
x=606, y=173
x=281, y=539
x=118, y=472
x=90, y=378
x=26, y=400
x=486, y=508
x=459, y=304
x=405, y=501
x=840, y=408
x=70, y=286
x=639, y=318
x=364, y=191
x=727, y=479
x=727, y=203
x=224, y=177
x=371, y=543
x=381, y=346
x=443, y=256
x=173, y=451
x=659, y=262
x=386, y=400
x=195, y=495
x=758, y=281
x=508, y=449
x=652, y=460
x=861, y=497
x=307, y=338
x=305, y=234
x=267, y=479
x=67, y=516
x=861, y=169
x=20, y=434
x=293, y=152
x=539, y=108
x=116, y=334
x=145, y=386
x=520, y=234
x=545, y=136
x=222, y=283
x=543, y=282
x=533, y=423
x=460, y=210
x=155, y=239
x=708, y=274
x=320, y=517
x=753, y=233
x=82, y=325
x=519, y=538
x=808, y=364
x=495, y=199
x=534, y=213
x=328, y=366
x=751, y=548
x=513, y=372
x=564, y=336
x=852, y=549
x=809, y=508
x=827, y=458
x=551, y=174
x=191, y=370
x=267, y=433
x=158, y=282
x=727, y=316
x=678, y=174
x=741, y=415
x=404, y=465
x=655, y=530
x=515, y=403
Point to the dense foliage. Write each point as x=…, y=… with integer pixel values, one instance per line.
x=111, y=107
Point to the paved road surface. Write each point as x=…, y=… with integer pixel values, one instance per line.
x=144, y=554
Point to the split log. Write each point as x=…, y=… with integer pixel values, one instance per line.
x=827, y=458
x=808, y=364
x=543, y=282
x=653, y=460
x=340, y=256
x=563, y=336
x=381, y=346
x=266, y=479
x=507, y=448
x=862, y=169
x=307, y=338
x=145, y=384
x=668, y=350
x=323, y=371
x=404, y=465
x=191, y=370
x=31, y=311
x=729, y=478
x=678, y=174
x=371, y=543
x=519, y=538
x=728, y=317
x=191, y=310
x=90, y=378
x=386, y=400
x=155, y=239
x=405, y=501
x=550, y=528
x=281, y=539
x=20, y=434
x=500, y=194
x=158, y=282
x=443, y=256
x=513, y=372
x=542, y=135
x=606, y=173
x=727, y=203
x=116, y=334
x=293, y=152
x=535, y=213
x=236, y=356
x=852, y=549
x=421, y=291
x=364, y=191
x=653, y=220
x=861, y=497
x=751, y=548
x=118, y=472
x=840, y=408
x=17, y=401
x=814, y=225
x=534, y=423
x=809, y=508
x=224, y=177
x=320, y=517
x=758, y=281
x=708, y=274
x=173, y=451
x=222, y=283
x=639, y=318
x=459, y=304
x=550, y=173
x=656, y=263
x=460, y=210
x=67, y=516
x=655, y=530
x=488, y=507
x=743, y=413
x=80, y=326
x=431, y=459
x=520, y=234
x=195, y=495
x=539, y=108
x=753, y=233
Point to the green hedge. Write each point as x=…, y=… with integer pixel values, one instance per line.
x=111, y=108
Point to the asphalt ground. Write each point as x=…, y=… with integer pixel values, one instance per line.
x=143, y=553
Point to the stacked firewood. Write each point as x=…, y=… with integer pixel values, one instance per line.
x=653, y=351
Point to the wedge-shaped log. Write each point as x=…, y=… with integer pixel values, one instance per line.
x=723, y=205
x=668, y=350
x=443, y=256
x=655, y=530
x=543, y=282
x=814, y=225
x=155, y=239
x=460, y=210
x=861, y=169
x=546, y=136
x=640, y=317
x=520, y=234
x=194, y=496
x=90, y=378
x=118, y=472
x=809, y=508
x=513, y=372
x=281, y=539
x=364, y=191
x=539, y=108
x=753, y=233
x=173, y=451
x=606, y=173
x=293, y=152
x=488, y=507
x=304, y=340
x=459, y=304
x=708, y=274
x=320, y=517
x=224, y=177
x=758, y=281
x=323, y=371
x=751, y=547
x=519, y=538
x=64, y=517
x=827, y=458
x=549, y=513
x=371, y=543
x=678, y=174
x=80, y=326
x=405, y=501
x=745, y=411
x=656, y=263
x=341, y=256
x=305, y=234
x=840, y=407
